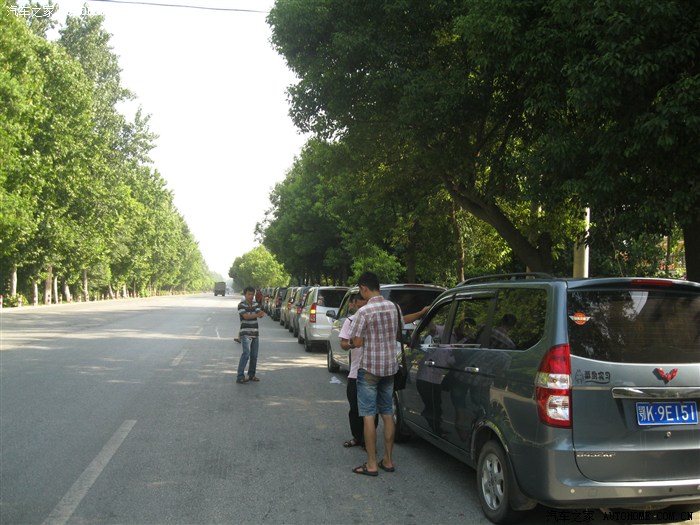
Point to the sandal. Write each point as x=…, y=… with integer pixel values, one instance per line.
x=351, y=443
x=362, y=469
x=254, y=379
x=384, y=468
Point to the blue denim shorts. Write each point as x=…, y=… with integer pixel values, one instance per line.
x=374, y=394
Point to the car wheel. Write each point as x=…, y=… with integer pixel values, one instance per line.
x=307, y=343
x=495, y=483
x=330, y=362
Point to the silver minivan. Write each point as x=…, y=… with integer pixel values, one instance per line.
x=314, y=326
x=569, y=393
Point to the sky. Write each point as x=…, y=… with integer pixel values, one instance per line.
x=216, y=93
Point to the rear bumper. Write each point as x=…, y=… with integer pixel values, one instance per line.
x=552, y=479
x=318, y=333
x=627, y=495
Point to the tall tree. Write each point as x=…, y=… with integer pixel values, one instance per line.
x=525, y=111
x=21, y=115
x=633, y=72
x=258, y=268
x=401, y=76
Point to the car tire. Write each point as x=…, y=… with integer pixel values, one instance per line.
x=495, y=483
x=401, y=432
x=307, y=343
x=330, y=362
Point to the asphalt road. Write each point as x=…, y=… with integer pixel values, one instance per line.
x=128, y=412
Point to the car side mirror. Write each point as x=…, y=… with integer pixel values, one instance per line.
x=331, y=314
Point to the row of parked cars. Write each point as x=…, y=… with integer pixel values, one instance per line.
x=302, y=310
x=571, y=393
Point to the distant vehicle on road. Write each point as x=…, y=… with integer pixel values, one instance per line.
x=220, y=288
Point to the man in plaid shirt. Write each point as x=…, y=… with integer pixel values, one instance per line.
x=375, y=329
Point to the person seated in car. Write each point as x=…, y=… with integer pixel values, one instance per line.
x=499, y=334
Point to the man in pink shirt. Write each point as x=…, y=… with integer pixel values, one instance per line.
x=356, y=423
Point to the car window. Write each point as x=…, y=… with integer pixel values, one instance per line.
x=519, y=319
x=344, y=306
x=301, y=294
x=330, y=298
x=411, y=300
x=471, y=318
x=432, y=329
x=635, y=326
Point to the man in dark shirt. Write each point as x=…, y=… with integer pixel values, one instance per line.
x=249, y=312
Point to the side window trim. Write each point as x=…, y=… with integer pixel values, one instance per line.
x=431, y=314
x=489, y=295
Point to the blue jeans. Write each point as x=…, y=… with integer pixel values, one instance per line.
x=250, y=351
x=374, y=394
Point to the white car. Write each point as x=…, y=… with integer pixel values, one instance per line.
x=314, y=326
x=410, y=297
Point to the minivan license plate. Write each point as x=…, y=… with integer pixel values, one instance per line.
x=667, y=413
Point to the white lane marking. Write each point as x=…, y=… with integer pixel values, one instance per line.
x=217, y=334
x=66, y=507
x=199, y=330
x=177, y=360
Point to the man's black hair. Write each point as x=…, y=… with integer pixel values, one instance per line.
x=370, y=280
x=248, y=289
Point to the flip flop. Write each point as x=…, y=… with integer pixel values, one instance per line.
x=385, y=469
x=351, y=443
x=362, y=469
x=253, y=379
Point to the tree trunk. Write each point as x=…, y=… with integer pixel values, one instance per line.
x=86, y=292
x=66, y=293
x=48, y=283
x=411, y=256
x=537, y=258
x=35, y=292
x=13, y=282
x=54, y=289
x=691, y=237
x=459, y=242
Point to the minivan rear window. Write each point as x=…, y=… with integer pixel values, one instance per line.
x=330, y=298
x=635, y=326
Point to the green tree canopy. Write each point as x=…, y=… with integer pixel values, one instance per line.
x=257, y=268
x=524, y=112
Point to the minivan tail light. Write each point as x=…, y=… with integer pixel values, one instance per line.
x=312, y=313
x=553, y=387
